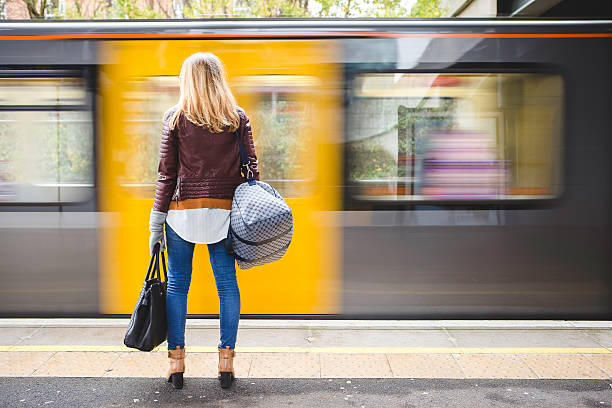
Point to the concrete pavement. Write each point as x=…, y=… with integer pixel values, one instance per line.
x=305, y=363
x=319, y=349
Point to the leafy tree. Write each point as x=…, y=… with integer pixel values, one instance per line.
x=97, y=9
x=154, y=9
x=127, y=9
x=208, y=9
x=379, y=8
x=339, y=8
x=77, y=10
x=427, y=8
x=278, y=8
x=39, y=9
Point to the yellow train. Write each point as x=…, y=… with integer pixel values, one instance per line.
x=272, y=85
x=431, y=165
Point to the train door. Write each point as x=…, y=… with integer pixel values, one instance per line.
x=287, y=89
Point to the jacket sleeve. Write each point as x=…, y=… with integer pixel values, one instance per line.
x=167, y=168
x=246, y=135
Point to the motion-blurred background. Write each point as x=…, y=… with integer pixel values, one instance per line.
x=445, y=168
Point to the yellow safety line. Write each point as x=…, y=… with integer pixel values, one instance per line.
x=333, y=350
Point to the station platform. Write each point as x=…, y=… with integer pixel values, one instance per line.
x=515, y=359
x=320, y=349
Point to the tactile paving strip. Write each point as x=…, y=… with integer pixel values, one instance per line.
x=77, y=364
x=424, y=366
x=138, y=365
x=19, y=363
x=602, y=361
x=493, y=366
x=206, y=364
x=354, y=365
x=312, y=365
x=563, y=366
x=285, y=365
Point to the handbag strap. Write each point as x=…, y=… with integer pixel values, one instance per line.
x=246, y=172
x=151, y=269
x=154, y=270
x=163, y=262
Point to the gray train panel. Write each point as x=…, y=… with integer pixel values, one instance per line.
x=49, y=263
x=492, y=258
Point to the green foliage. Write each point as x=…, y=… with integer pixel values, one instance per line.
x=127, y=9
x=427, y=8
x=7, y=147
x=75, y=152
x=339, y=8
x=370, y=161
x=76, y=10
x=280, y=122
x=142, y=155
x=209, y=9
x=56, y=152
x=277, y=8
x=361, y=8
x=130, y=9
x=387, y=8
x=99, y=9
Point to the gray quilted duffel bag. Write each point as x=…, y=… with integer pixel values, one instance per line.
x=261, y=222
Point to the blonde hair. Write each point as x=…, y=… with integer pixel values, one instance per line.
x=206, y=100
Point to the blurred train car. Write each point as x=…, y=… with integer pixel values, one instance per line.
x=436, y=168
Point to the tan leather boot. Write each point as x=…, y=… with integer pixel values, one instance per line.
x=177, y=367
x=226, y=366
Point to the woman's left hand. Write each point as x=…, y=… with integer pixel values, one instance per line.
x=156, y=226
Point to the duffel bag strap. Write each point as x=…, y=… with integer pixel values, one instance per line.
x=247, y=173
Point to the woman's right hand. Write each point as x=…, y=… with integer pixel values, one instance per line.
x=156, y=226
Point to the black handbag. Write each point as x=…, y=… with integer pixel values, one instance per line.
x=148, y=325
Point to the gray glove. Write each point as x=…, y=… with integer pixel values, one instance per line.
x=156, y=226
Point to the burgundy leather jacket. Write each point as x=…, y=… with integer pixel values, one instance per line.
x=197, y=163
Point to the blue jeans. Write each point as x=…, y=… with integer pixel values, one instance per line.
x=180, y=256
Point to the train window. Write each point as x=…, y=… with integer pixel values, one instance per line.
x=46, y=141
x=417, y=137
x=145, y=101
x=42, y=91
x=280, y=110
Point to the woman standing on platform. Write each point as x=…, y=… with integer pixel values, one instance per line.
x=199, y=169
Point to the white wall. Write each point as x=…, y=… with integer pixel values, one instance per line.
x=474, y=8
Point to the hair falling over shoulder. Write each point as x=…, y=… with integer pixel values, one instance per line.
x=206, y=99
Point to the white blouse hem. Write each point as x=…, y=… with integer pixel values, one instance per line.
x=200, y=225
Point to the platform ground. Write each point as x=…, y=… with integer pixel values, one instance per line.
x=319, y=349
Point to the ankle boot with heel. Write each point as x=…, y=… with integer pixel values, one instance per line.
x=177, y=367
x=226, y=367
